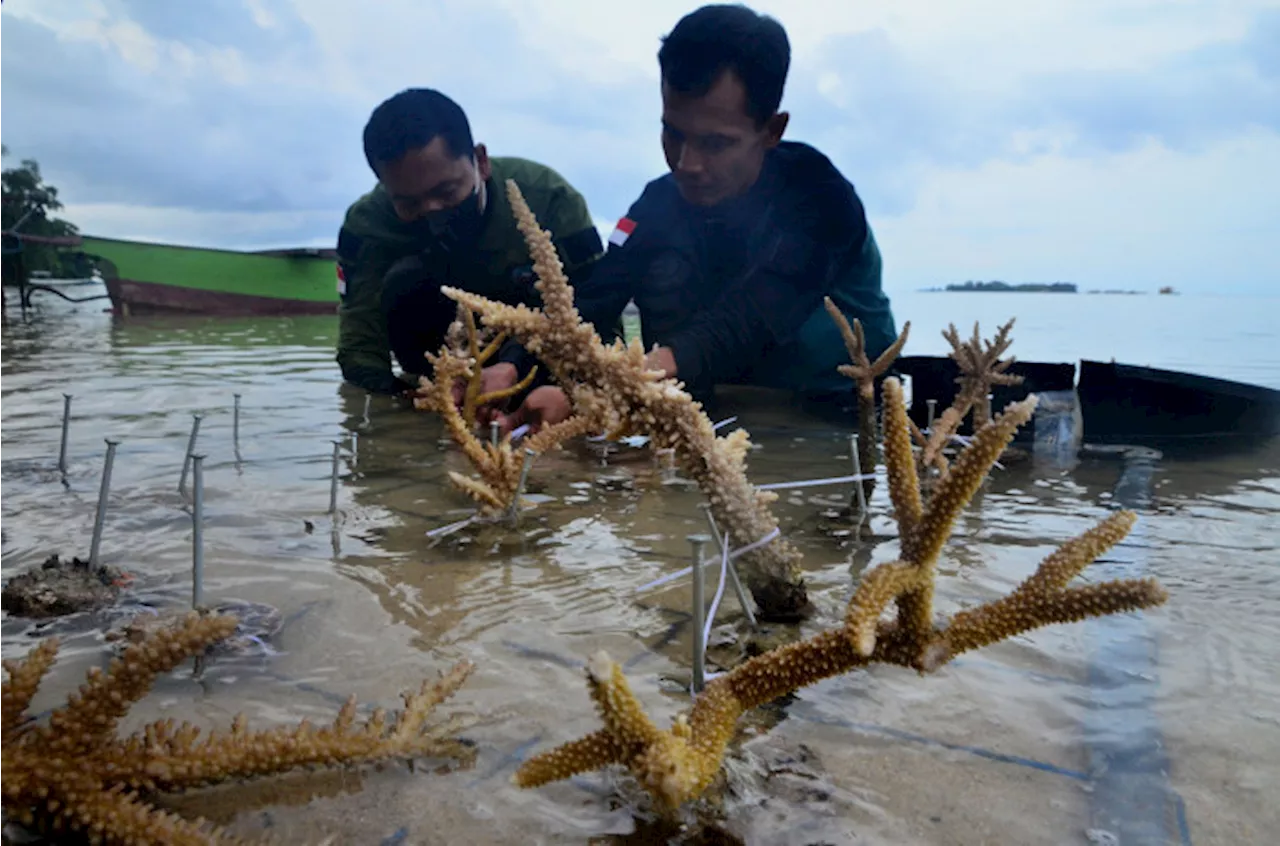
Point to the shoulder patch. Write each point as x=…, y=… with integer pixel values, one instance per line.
x=342, y=280
x=622, y=231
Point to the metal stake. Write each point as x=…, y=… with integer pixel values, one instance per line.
x=101, y=515
x=857, y=471
x=368, y=401
x=494, y=429
x=66, y=424
x=933, y=407
x=191, y=447
x=197, y=532
x=333, y=480
x=514, y=513
x=235, y=427
x=666, y=459
x=738, y=591
x=699, y=611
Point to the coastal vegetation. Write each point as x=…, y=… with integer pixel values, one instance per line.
x=28, y=205
x=1022, y=288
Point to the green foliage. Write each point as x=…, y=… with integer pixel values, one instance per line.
x=28, y=202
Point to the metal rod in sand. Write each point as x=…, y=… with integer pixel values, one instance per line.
x=933, y=408
x=66, y=424
x=699, y=611
x=100, y=517
x=235, y=426
x=857, y=471
x=197, y=531
x=191, y=447
x=333, y=480
x=514, y=512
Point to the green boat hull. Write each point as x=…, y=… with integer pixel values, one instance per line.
x=145, y=278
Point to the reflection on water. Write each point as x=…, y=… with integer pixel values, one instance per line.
x=1003, y=746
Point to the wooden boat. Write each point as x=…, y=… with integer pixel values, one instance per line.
x=144, y=278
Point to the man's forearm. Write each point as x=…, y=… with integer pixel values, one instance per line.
x=377, y=380
x=724, y=341
x=363, y=362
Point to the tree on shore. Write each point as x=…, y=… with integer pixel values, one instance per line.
x=28, y=202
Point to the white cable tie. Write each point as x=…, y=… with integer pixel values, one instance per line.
x=724, y=422
x=670, y=577
x=519, y=432
x=810, y=483
x=452, y=527
x=715, y=603
x=965, y=441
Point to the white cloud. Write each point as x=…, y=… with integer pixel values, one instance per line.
x=261, y=14
x=229, y=230
x=1096, y=140
x=1139, y=220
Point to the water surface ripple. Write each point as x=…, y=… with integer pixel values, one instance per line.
x=1000, y=747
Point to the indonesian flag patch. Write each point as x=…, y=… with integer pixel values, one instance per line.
x=622, y=231
x=342, y=282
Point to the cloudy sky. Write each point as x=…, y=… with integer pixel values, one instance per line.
x=1113, y=143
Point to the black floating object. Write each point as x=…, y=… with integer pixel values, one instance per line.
x=934, y=377
x=1124, y=403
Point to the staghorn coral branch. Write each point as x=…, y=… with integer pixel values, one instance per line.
x=473, y=399
x=904, y=488
x=980, y=369
x=875, y=591
x=967, y=472
x=1046, y=592
x=92, y=713
x=166, y=760
x=864, y=373
x=24, y=678
x=498, y=466
x=596, y=750
x=677, y=765
x=75, y=775
x=862, y=370
x=114, y=816
x=646, y=403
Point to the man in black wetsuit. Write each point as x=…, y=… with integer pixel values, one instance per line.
x=728, y=256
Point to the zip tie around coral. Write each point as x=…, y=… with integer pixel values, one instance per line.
x=452, y=527
x=267, y=649
x=641, y=440
x=964, y=442
x=732, y=555
x=715, y=602
x=519, y=432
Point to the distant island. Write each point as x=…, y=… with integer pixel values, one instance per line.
x=1023, y=288
x=1036, y=288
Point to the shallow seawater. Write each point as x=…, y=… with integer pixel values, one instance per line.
x=1046, y=739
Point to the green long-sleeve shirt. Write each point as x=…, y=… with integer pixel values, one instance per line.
x=373, y=238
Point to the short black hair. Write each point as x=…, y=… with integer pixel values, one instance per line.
x=719, y=37
x=411, y=119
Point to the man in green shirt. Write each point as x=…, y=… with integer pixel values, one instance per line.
x=439, y=216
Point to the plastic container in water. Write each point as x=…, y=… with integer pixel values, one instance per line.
x=1058, y=425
